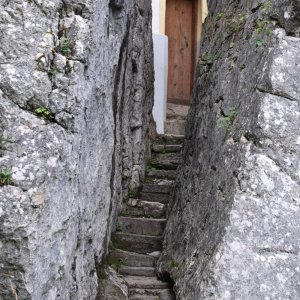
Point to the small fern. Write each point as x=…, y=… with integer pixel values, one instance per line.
x=226, y=121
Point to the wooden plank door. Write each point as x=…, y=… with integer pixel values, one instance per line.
x=181, y=33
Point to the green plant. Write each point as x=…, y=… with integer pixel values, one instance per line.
x=125, y=177
x=64, y=46
x=267, y=6
x=236, y=23
x=242, y=67
x=43, y=113
x=219, y=16
x=133, y=193
x=52, y=71
x=116, y=265
x=3, y=142
x=119, y=226
x=208, y=58
x=152, y=166
x=174, y=264
x=226, y=121
x=123, y=261
x=5, y=178
x=260, y=32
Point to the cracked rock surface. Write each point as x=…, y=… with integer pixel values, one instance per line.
x=233, y=226
x=75, y=102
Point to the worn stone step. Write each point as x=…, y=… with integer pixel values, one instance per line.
x=139, y=282
x=130, y=259
x=166, y=157
x=166, y=174
x=142, y=226
x=175, y=127
x=155, y=197
x=140, y=208
x=142, y=244
x=137, y=271
x=156, y=188
x=151, y=294
x=166, y=161
x=169, y=139
x=177, y=111
x=166, y=148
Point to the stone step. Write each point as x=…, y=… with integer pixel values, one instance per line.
x=156, y=188
x=166, y=174
x=140, y=208
x=168, y=156
x=142, y=226
x=166, y=161
x=166, y=148
x=175, y=127
x=137, y=271
x=142, y=244
x=155, y=197
x=139, y=282
x=169, y=139
x=177, y=111
x=130, y=259
x=151, y=294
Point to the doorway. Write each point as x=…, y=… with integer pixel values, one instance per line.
x=181, y=32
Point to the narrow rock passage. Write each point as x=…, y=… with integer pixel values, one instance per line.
x=138, y=240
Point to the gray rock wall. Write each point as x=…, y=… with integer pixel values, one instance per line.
x=233, y=226
x=75, y=102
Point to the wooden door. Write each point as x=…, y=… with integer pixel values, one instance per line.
x=180, y=30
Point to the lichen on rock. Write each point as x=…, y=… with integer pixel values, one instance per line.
x=233, y=226
x=76, y=111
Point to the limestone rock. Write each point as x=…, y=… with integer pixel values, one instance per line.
x=76, y=94
x=233, y=226
x=113, y=287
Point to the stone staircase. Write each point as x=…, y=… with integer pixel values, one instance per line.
x=176, y=119
x=137, y=243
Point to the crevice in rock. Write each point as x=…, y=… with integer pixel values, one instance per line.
x=277, y=93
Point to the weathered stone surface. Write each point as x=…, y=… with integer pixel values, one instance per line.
x=155, y=197
x=145, y=282
x=75, y=100
x=165, y=174
x=113, y=287
x=166, y=148
x=233, y=227
x=142, y=244
x=168, y=139
x=137, y=271
x=175, y=127
x=140, y=208
x=142, y=226
x=146, y=294
x=157, y=188
x=167, y=161
x=131, y=259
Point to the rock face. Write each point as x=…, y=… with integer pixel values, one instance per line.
x=75, y=102
x=233, y=227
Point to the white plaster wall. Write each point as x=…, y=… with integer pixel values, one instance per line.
x=160, y=42
x=160, y=45
x=155, y=16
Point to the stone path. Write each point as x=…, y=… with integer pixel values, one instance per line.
x=138, y=240
x=176, y=119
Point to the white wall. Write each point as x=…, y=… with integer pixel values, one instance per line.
x=155, y=16
x=160, y=43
